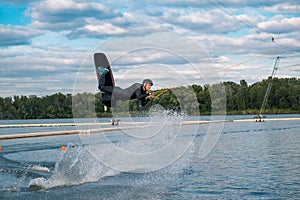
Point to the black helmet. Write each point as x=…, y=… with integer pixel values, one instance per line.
x=146, y=81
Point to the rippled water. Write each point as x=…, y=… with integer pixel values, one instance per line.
x=250, y=161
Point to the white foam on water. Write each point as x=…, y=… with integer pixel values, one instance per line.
x=38, y=183
x=76, y=167
x=38, y=168
x=11, y=189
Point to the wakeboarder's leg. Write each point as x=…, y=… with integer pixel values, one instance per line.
x=106, y=90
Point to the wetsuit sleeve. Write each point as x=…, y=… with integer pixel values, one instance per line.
x=141, y=95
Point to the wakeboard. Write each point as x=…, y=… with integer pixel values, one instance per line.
x=101, y=60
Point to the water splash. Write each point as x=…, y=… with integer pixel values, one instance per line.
x=77, y=166
x=18, y=184
x=155, y=147
x=157, y=143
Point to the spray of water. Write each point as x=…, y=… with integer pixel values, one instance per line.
x=97, y=158
x=76, y=166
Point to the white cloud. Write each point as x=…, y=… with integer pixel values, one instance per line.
x=45, y=56
x=56, y=11
x=127, y=19
x=283, y=8
x=205, y=21
x=103, y=29
x=16, y=35
x=280, y=24
x=68, y=14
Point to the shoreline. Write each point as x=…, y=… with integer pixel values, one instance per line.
x=115, y=128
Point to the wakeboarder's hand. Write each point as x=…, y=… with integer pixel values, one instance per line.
x=151, y=95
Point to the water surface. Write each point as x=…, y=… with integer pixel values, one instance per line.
x=250, y=161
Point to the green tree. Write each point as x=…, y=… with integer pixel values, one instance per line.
x=239, y=98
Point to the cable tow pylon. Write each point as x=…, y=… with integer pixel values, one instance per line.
x=268, y=89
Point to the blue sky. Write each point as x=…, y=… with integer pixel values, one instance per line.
x=11, y=14
x=47, y=46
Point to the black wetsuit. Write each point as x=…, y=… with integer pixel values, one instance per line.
x=113, y=94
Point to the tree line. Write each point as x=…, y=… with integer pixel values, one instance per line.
x=228, y=97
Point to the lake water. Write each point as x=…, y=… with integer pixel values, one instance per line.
x=239, y=160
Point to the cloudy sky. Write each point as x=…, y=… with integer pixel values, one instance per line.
x=47, y=46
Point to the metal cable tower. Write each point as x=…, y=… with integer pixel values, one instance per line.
x=269, y=87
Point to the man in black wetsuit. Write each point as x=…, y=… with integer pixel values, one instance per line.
x=136, y=91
